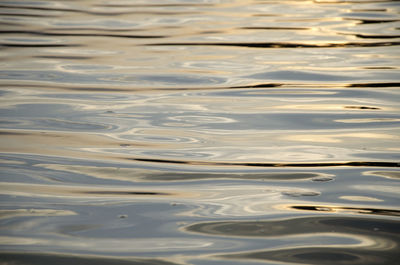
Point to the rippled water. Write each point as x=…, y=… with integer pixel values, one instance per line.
x=200, y=132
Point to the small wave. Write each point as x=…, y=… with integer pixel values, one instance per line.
x=107, y=192
x=72, y=34
x=384, y=84
x=364, y=36
x=53, y=258
x=275, y=28
x=280, y=44
x=373, y=211
x=249, y=164
x=374, y=21
x=296, y=226
x=37, y=45
x=361, y=107
x=321, y=255
x=102, y=12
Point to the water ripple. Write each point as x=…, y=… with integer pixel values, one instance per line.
x=173, y=132
x=282, y=44
x=347, y=164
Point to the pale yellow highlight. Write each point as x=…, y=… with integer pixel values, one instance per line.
x=321, y=107
x=360, y=198
x=336, y=138
x=367, y=120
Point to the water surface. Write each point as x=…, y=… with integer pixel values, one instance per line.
x=199, y=132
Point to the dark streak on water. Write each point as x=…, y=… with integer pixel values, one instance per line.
x=357, y=210
x=39, y=259
x=125, y=193
x=282, y=44
x=173, y=132
x=348, y=164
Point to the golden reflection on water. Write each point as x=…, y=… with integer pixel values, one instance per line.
x=101, y=146
x=384, y=174
x=325, y=107
x=368, y=120
x=359, y=198
x=340, y=137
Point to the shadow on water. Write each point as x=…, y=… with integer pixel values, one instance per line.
x=47, y=259
x=250, y=164
x=281, y=44
x=179, y=176
x=300, y=226
x=378, y=239
x=122, y=193
x=323, y=255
